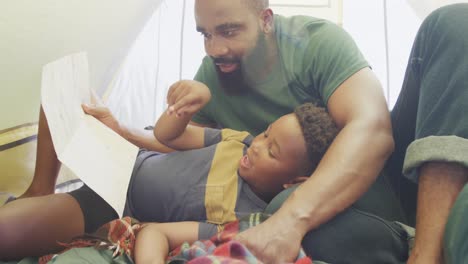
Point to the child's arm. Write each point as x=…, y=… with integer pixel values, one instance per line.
x=140, y=138
x=185, y=98
x=156, y=240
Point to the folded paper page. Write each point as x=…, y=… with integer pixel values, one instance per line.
x=97, y=155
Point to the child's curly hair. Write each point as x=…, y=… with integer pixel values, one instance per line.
x=318, y=129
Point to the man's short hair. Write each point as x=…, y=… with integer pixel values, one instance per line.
x=318, y=129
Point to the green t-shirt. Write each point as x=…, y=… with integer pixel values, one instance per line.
x=315, y=57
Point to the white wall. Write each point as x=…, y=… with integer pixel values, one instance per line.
x=384, y=31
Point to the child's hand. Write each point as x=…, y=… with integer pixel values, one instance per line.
x=98, y=110
x=104, y=115
x=187, y=97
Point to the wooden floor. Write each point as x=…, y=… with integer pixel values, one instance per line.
x=17, y=169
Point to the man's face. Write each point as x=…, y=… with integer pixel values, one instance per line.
x=233, y=38
x=275, y=157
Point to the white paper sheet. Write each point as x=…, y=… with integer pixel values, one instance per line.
x=96, y=154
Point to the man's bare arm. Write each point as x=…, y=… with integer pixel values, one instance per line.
x=356, y=156
x=349, y=167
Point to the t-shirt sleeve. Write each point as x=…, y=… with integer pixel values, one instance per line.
x=331, y=57
x=212, y=136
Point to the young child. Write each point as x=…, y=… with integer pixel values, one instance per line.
x=289, y=149
x=220, y=176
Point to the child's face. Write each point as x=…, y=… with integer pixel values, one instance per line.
x=275, y=157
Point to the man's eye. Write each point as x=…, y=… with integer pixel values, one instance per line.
x=205, y=35
x=228, y=33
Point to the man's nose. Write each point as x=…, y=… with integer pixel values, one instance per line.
x=216, y=47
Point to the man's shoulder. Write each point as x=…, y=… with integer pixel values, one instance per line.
x=301, y=33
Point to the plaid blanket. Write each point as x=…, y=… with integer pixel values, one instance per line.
x=221, y=249
x=119, y=237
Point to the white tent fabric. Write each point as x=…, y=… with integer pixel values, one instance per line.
x=168, y=49
x=36, y=32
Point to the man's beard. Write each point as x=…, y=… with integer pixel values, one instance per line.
x=237, y=81
x=233, y=83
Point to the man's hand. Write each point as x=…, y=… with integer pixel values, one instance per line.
x=187, y=97
x=273, y=241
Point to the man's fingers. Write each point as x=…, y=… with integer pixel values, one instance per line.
x=186, y=101
x=170, y=92
x=182, y=110
x=183, y=92
x=187, y=109
x=175, y=92
x=173, y=88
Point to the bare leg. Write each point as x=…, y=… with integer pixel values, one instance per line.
x=152, y=246
x=439, y=185
x=47, y=164
x=32, y=226
x=156, y=239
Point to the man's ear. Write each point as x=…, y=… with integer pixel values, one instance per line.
x=297, y=180
x=267, y=20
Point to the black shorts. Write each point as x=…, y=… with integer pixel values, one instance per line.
x=95, y=210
